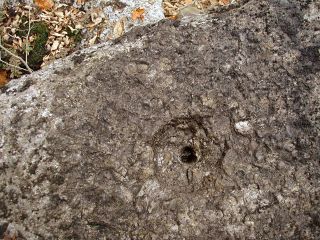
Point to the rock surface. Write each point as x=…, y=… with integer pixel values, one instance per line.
x=201, y=129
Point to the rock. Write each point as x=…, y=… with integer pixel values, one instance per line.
x=243, y=127
x=11, y=233
x=136, y=140
x=3, y=228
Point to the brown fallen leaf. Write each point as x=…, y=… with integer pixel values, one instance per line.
x=93, y=40
x=118, y=29
x=137, y=14
x=55, y=45
x=174, y=17
x=188, y=2
x=81, y=2
x=44, y=4
x=3, y=78
x=224, y=2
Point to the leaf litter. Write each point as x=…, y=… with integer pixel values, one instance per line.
x=71, y=27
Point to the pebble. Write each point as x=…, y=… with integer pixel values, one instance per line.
x=243, y=127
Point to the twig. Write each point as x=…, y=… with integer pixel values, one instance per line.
x=13, y=55
x=11, y=65
x=24, y=62
x=27, y=39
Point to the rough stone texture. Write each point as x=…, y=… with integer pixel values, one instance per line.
x=201, y=129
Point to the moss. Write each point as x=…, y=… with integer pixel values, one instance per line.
x=41, y=31
x=2, y=16
x=78, y=37
x=3, y=54
x=22, y=31
x=75, y=35
x=38, y=47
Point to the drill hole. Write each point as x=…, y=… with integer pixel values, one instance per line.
x=188, y=155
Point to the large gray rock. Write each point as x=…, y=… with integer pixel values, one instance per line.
x=202, y=129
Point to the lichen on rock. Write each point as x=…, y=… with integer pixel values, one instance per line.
x=202, y=129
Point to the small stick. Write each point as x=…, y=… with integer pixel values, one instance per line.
x=27, y=40
x=11, y=65
x=13, y=55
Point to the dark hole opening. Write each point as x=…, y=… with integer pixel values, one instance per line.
x=188, y=155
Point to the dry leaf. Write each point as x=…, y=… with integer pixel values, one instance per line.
x=58, y=34
x=92, y=40
x=3, y=78
x=174, y=17
x=168, y=4
x=66, y=40
x=138, y=14
x=54, y=46
x=214, y=2
x=79, y=26
x=44, y=4
x=80, y=2
x=118, y=29
x=59, y=14
x=189, y=10
x=224, y=2
x=13, y=61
